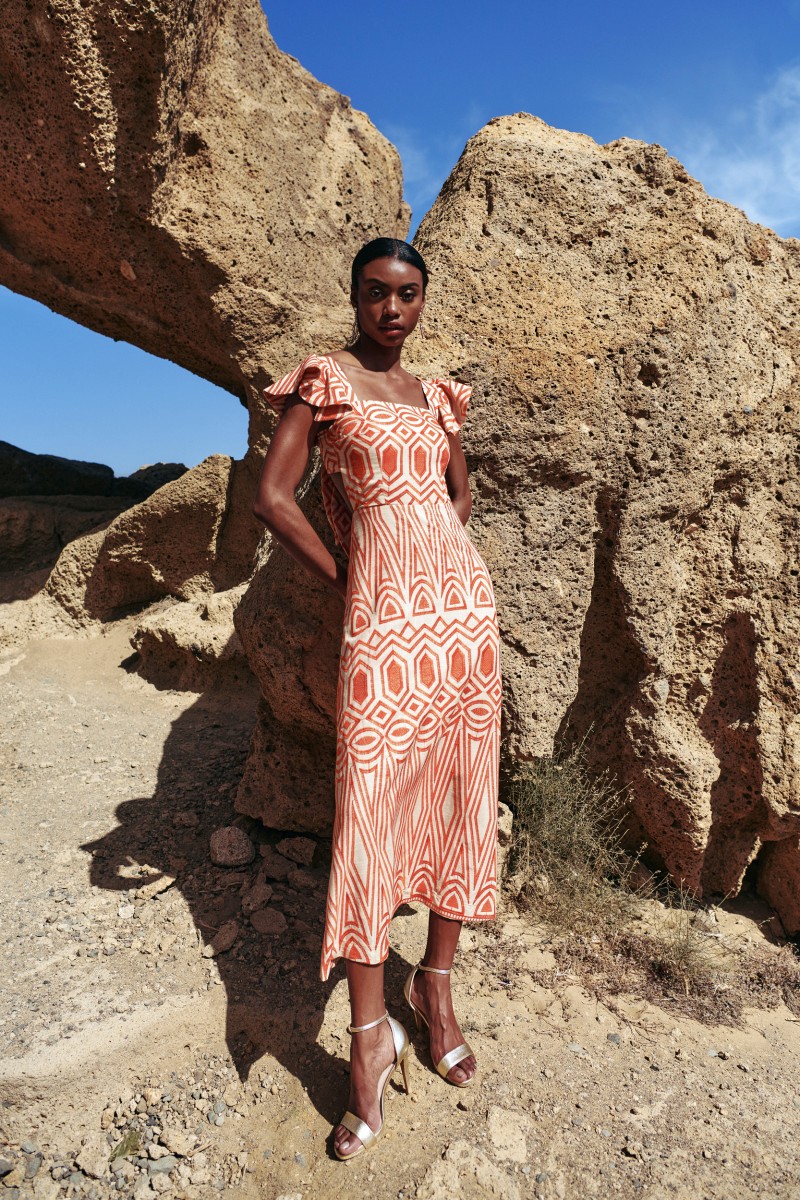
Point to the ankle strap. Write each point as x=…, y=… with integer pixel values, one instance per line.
x=372, y=1024
x=433, y=970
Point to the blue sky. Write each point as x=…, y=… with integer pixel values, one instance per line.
x=717, y=83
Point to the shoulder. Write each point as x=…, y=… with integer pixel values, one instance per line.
x=451, y=398
x=314, y=381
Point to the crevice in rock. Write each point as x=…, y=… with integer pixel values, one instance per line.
x=611, y=664
x=729, y=724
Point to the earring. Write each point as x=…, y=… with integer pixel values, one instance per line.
x=421, y=326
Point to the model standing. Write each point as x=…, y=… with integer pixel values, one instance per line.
x=419, y=693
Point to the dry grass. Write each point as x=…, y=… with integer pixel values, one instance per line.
x=568, y=868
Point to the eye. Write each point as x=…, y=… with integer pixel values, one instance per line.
x=375, y=293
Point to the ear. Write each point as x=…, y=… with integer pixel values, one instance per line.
x=353, y=298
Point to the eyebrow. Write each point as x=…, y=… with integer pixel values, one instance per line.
x=383, y=283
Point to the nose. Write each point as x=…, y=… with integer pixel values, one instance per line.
x=390, y=306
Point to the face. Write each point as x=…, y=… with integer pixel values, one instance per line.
x=389, y=300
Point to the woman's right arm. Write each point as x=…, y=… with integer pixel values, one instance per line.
x=284, y=465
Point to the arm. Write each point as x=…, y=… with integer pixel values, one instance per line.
x=457, y=479
x=284, y=465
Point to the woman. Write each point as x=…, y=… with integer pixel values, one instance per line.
x=418, y=704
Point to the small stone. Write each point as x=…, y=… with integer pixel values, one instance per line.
x=161, y=1184
x=161, y=1166
x=125, y=912
x=231, y=847
x=155, y=1151
x=151, y=1095
x=177, y=1142
x=5, y=1166
x=33, y=1166
x=107, y=1119
x=29, y=1148
x=269, y=921
x=93, y=1156
x=15, y=1177
x=222, y=940
x=576, y=1048
x=142, y=1189
x=298, y=849
x=258, y=896
x=273, y=866
x=301, y=881
x=615, y=1038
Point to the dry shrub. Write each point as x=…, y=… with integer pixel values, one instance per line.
x=567, y=842
x=568, y=867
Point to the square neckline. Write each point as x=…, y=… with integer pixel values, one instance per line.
x=426, y=407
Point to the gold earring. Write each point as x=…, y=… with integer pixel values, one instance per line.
x=421, y=326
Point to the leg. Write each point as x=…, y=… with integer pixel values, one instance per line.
x=432, y=993
x=371, y=1052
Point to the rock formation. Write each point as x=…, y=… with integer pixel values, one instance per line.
x=632, y=344
x=171, y=178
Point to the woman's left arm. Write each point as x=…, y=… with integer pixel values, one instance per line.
x=457, y=479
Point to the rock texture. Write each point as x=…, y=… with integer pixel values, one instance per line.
x=632, y=440
x=633, y=345
x=172, y=544
x=192, y=645
x=171, y=178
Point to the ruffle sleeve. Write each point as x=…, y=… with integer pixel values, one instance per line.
x=314, y=382
x=452, y=399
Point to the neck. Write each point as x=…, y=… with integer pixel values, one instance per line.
x=374, y=357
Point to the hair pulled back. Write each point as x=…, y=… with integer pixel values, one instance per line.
x=388, y=248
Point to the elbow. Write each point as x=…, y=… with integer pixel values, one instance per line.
x=265, y=509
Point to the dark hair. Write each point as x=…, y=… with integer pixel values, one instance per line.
x=388, y=248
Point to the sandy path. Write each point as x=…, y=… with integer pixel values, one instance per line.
x=110, y=792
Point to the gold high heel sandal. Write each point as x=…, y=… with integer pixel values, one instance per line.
x=453, y=1057
x=351, y=1122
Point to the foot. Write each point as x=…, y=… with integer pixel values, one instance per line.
x=371, y=1053
x=431, y=994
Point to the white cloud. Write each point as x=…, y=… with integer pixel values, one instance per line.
x=755, y=162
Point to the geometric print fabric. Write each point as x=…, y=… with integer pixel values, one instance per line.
x=419, y=687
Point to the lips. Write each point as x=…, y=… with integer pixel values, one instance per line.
x=392, y=328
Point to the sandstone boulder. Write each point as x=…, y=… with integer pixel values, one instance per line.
x=171, y=178
x=192, y=645
x=167, y=171
x=169, y=545
x=633, y=345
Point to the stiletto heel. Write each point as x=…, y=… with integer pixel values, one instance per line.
x=353, y=1124
x=453, y=1057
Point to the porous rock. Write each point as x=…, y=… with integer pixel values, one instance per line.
x=633, y=348
x=168, y=545
x=231, y=847
x=171, y=178
x=193, y=644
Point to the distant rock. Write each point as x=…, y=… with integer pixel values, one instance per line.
x=146, y=480
x=25, y=474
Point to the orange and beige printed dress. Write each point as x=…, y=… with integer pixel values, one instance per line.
x=419, y=692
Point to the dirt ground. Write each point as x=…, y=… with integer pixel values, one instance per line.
x=199, y=1075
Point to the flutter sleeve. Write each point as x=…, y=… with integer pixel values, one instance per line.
x=452, y=399
x=315, y=383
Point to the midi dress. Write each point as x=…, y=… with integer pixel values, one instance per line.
x=419, y=686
